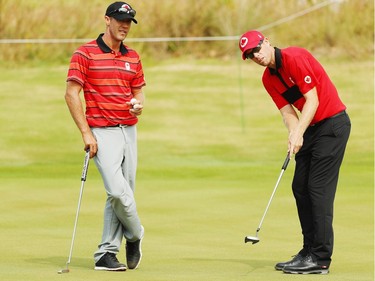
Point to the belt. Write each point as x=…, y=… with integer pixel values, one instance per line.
x=115, y=126
x=332, y=117
x=338, y=114
x=120, y=125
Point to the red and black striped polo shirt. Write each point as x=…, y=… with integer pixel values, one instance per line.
x=107, y=79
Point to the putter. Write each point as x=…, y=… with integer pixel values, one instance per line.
x=255, y=239
x=83, y=179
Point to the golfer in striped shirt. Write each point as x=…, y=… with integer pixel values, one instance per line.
x=110, y=75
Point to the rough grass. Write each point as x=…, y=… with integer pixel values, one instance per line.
x=206, y=171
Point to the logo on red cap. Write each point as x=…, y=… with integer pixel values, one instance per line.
x=243, y=42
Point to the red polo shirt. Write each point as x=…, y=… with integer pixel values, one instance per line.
x=298, y=67
x=107, y=79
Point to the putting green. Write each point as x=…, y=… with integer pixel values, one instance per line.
x=209, y=156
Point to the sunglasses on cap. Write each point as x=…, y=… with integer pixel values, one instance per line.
x=124, y=10
x=250, y=55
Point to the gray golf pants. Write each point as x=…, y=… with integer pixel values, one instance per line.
x=116, y=161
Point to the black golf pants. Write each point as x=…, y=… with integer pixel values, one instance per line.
x=315, y=181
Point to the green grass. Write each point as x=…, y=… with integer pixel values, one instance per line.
x=206, y=171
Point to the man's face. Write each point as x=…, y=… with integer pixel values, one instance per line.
x=262, y=54
x=118, y=29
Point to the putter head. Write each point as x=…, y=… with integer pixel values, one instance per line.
x=251, y=239
x=65, y=270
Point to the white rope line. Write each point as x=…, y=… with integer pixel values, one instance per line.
x=175, y=39
x=155, y=39
x=299, y=14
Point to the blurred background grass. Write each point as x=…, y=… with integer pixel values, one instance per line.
x=343, y=29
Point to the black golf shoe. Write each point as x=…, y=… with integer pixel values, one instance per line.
x=306, y=266
x=109, y=262
x=133, y=253
x=296, y=259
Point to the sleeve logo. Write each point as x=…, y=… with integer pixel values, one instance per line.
x=307, y=79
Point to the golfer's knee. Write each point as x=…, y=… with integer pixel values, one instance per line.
x=122, y=199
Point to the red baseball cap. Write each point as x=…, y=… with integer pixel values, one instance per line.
x=249, y=40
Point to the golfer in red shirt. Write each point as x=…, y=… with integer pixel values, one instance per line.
x=111, y=77
x=319, y=129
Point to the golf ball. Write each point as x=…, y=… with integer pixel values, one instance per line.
x=133, y=101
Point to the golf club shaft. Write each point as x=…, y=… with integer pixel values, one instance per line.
x=83, y=179
x=285, y=165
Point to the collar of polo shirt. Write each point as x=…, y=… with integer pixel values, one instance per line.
x=107, y=49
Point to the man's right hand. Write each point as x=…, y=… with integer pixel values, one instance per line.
x=90, y=143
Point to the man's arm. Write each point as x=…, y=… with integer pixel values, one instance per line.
x=76, y=110
x=297, y=126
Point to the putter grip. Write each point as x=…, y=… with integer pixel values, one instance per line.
x=85, y=166
x=286, y=162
